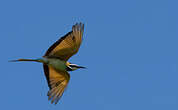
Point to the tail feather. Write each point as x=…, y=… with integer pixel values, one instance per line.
x=35, y=60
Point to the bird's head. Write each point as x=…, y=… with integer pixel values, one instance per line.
x=72, y=67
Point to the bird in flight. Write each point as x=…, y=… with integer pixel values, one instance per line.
x=55, y=62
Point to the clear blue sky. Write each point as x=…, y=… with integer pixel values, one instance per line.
x=130, y=48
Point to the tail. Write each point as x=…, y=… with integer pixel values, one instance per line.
x=34, y=60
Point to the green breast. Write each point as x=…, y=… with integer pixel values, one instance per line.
x=57, y=64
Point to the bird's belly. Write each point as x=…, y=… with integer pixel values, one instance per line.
x=57, y=64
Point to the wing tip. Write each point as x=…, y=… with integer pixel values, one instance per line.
x=78, y=26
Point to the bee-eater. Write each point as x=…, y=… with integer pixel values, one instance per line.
x=55, y=62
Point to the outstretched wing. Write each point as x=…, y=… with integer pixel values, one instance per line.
x=57, y=82
x=68, y=45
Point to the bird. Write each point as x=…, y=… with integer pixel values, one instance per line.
x=55, y=61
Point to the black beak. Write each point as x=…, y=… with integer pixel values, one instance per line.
x=81, y=67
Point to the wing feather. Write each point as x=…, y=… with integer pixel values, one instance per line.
x=67, y=45
x=57, y=82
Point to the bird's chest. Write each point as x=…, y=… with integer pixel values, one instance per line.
x=57, y=64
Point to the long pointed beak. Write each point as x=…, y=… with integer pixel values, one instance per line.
x=81, y=67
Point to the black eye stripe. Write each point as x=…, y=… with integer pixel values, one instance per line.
x=69, y=68
x=72, y=65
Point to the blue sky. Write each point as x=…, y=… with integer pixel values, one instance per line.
x=129, y=47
